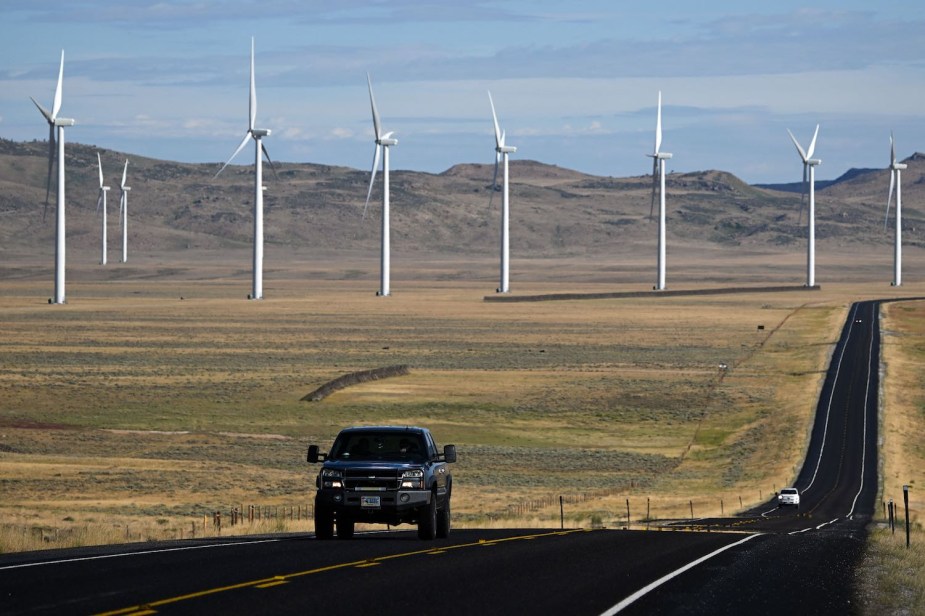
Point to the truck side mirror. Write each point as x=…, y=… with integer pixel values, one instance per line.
x=313, y=454
x=449, y=453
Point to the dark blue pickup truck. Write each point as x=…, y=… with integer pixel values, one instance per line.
x=386, y=475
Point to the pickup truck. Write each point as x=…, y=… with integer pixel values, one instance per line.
x=386, y=475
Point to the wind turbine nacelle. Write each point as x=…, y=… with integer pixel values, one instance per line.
x=812, y=162
x=899, y=166
x=260, y=132
x=65, y=122
x=507, y=149
x=663, y=156
x=388, y=142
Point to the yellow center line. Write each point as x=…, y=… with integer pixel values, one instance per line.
x=148, y=608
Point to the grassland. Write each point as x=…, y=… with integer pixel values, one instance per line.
x=892, y=577
x=132, y=414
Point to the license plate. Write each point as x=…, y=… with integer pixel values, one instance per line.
x=370, y=502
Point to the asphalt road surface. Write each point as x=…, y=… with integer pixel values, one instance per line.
x=776, y=561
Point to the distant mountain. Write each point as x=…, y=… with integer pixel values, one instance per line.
x=797, y=187
x=554, y=211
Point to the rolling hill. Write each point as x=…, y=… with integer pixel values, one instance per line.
x=555, y=211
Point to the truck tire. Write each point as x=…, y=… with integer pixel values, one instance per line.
x=324, y=523
x=443, y=520
x=345, y=529
x=427, y=524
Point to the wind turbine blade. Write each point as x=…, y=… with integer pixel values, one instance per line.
x=240, y=147
x=100, y=165
x=372, y=177
x=252, y=106
x=267, y=155
x=803, y=156
x=658, y=124
x=812, y=144
x=124, y=173
x=99, y=202
x=889, y=199
x=499, y=141
x=372, y=103
x=494, y=180
x=44, y=111
x=51, y=164
x=56, y=107
x=121, y=206
x=892, y=150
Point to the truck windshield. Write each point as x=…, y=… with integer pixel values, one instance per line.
x=378, y=446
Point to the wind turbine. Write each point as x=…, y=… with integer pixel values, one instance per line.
x=257, y=134
x=658, y=175
x=123, y=211
x=383, y=143
x=501, y=154
x=809, y=171
x=101, y=209
x=54, y=122
x=895, y=180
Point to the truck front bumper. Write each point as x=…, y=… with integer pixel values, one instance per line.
x=360, y=504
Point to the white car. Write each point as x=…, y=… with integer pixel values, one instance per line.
x=788, y=497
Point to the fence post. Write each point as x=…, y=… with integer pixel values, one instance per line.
x=692, y=510
x=892, y=521
x=627, y=512
x=648, y=517
x=906, y=508
x=722, y=511
x=561, y=513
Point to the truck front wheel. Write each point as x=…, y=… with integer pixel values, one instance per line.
x=324, y=523
x=443, y=520
x=427, y=524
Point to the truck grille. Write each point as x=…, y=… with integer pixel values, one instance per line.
x=372, y=480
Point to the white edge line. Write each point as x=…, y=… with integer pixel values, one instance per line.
x=141, y=553
x=647, y=589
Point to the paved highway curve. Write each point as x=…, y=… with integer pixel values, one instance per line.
x=801, y=563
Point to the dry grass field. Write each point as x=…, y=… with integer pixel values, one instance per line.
x=156, y=397
x=893, y=577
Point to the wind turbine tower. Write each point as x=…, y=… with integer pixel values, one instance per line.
x=658, y=175
x=257, y=134
x=809, y=174
x=123, y=211
x=896, y=180
x=101, y=210
x=501, y=155
x=57, y=124
x=383, y=143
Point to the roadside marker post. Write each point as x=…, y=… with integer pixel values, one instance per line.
x=906, y=507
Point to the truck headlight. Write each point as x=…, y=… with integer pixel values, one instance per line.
x=332, y=478
x=412, y=480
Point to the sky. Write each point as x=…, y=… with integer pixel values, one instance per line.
x=575, y=84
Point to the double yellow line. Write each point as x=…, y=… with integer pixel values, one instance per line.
x=278, y=580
